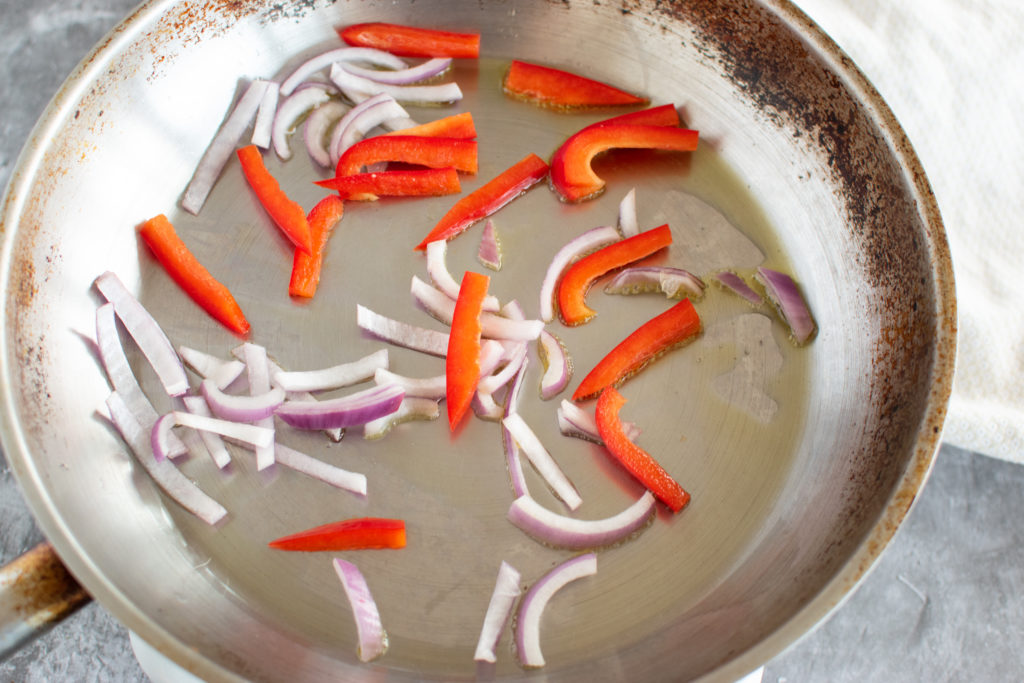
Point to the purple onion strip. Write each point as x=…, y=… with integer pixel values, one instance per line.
x=413, y=74
x=257, y=368
x=251, y=408
x=402, y=334
x=785, y=295
x=499, y=610
x=557, y=365
x=420, y=94
x=314, y=131
x=437, y=269
x=214, y=444
x=576, y=247
x=335, y=377
x=561, y=531
x=222, y=372
x=345, y=411
x=411, y=408
x=513, y=462
x=360, y=120
x=264, y=124
x=373, y=641
x=342, y=54
x=628, y=224
x=251, y=435
x=329, y=474
x=289, y=111
x=737, y=285
x=576, y=422
x=536, y=599
x=489, y=253
x=542, y=461
x=427, y=387
x=494, y=326
x=675, y=283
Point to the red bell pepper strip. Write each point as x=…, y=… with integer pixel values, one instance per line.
x=573, y=287
x=636, y=460
x=488, y=198
x=455, y=126
x=191, y=276
x=306, y=267
x=571, y=173
x=656, y=336
x=462, y=363
x=287, y=214
x=410, y=41
x=556, y=88
x=427, y=182
x=350, y=534
x=412, y=149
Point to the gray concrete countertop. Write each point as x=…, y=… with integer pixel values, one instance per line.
x=946, y=601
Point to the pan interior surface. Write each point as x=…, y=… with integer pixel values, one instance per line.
x=801, y=461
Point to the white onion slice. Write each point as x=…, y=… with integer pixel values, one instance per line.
x=413, y=74
x=257, y=368
x=783, y=292
x=289, y=111
x=427, y=387
x=345, y=411
x=494, y=326
x=420, y=94
x=499, y=610
x=628, y=224
x=222, y=147
x=222, y=372
x=437, y=269
x=675, y=283
x=251, y=435
x=314, y=131
x=561, y=531
x=542, y=460
x=574, y=421
x=175, y=484
x=360, y=120
x=737, y=285
x=576, y=247
x=342, y=54
x=411, y=408
x=513, y=462
x=264, y=125
x=143, y=328
x=373, y=641
x=318, y=469
x=252, y=408
x=489, y=252
x=336, y=377
x=557, y=366
x=214, y=444
x=402, y=334
x=536, y=599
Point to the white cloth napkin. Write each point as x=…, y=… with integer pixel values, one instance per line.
x=953, y=73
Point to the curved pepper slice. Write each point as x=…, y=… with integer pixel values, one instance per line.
x=286, y=214
x=410, y=41
x=462, y=362
x=556, y=88
x=573, y=287
x=656, y=336
x=571, y=173
x=421, y=150
x=428, y=182
x=191, y=276
x=636, y=460
x=487, y=199
x=306, y=267
x=349, y=534
x=455, y=126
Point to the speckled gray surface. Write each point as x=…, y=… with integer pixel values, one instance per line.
x=946, y=601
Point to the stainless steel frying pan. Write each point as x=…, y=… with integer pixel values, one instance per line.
x=801, y=167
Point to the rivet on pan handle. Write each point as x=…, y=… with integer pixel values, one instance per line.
x=36, y=591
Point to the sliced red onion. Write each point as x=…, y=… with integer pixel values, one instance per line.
x=513, y=310
x=318, y=469
x=251, y=435
x=420, y=94
x=494, y=381
x=499, y=610
x=289, y=112
x=485, y=407
x=257, y=368
x=343, y=54
x=536, y=599
x=489, y=253
x=336, y=377
x=373, y=641
x=143, y=328
x=557, y=366
x=675, y=283
x=428, y=387
x=175, y=484
x=494, y=326
x=413, y=74
x=437, y=269
x=542, y=460
x=194, y=443
x=214, y=444
x=360, y=120
x=579, y=534
x=264, y=125
x=222, y=372
x=222, y=147
x=395, y=124
x=411, y=408
x=335, y=434
x=513, y=462
x=783, y=292
x=628, y=224
x=737, y=285
x=402, y=334
x=576, y=422
x=314, y=131
x=576, y=247
x=345, y=411
x=241, y=408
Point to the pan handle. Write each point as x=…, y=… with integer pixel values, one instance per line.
x=36, y=591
